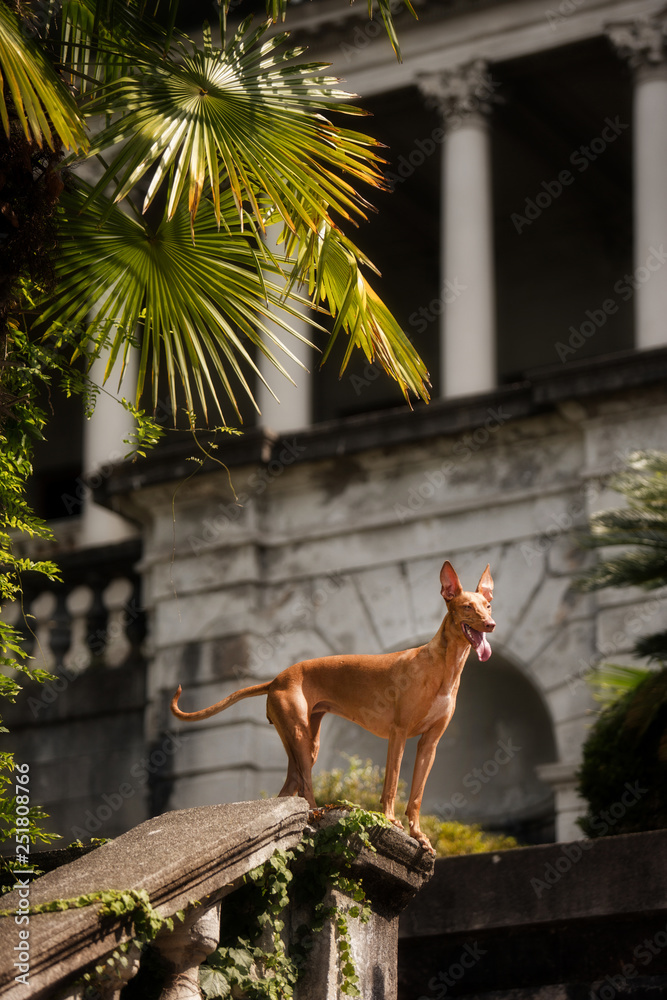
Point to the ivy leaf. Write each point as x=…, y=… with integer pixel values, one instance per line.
x=213, y=983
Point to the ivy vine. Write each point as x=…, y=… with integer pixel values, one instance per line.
x=252, y=959
x=133, y=905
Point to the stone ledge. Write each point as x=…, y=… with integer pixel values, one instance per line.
x=179, y=857
x=495, y=890
x=541, y=392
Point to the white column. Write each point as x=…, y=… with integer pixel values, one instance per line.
x=103, y=447
x=467, y=287
x=642, y=42
x=292, y=409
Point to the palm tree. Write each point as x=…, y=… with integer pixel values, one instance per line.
x=628, y=741
x=201, y=150
x=640, y=529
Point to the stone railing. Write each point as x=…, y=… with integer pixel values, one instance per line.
x=93, y=617
x=194, y=860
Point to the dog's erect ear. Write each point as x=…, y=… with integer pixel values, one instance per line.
x=450, y=583
x=485, y=585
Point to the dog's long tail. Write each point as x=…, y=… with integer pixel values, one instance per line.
x=231, y=699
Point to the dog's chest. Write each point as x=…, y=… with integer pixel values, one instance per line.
x=440, y=707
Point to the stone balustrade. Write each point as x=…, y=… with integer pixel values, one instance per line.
x=193, y=860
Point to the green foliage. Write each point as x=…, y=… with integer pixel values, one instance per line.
x=612, y=680
x=639, y=528
x=236, y=138
x=628, y=742
x=131, y=907
x=31, y=368
x=301, y=876
x=627, y=749
x=362, y=782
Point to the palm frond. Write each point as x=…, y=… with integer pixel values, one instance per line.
x=201, y=308
x=640, y=528
x=653, y=647
x=39, y=99
x=244, y=114
x=329, y=265
x=612, y=680
x=633, y=569
x=276, y=10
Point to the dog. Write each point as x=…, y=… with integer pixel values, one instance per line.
x=393, y=695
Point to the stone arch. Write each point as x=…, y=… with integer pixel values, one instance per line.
x=484, y=771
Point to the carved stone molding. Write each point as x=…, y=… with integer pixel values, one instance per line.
x=460, y=93
x=642, y=41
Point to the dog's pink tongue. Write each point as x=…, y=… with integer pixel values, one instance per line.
x=484, y=648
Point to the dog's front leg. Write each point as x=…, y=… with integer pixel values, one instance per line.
x=397, y=738
x=426, y=748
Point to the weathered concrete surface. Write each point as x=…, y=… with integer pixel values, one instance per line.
x=588, y=918
x=178, y=858
x=391, y=876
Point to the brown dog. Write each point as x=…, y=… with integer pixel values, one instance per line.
x=393, y=695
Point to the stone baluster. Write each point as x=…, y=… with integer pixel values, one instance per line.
x=463, y=97
x=61, y=629
x=185, y=948
x=643, y=43
x=96, y=620
x=135, y=624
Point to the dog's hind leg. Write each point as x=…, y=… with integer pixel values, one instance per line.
x=292, y=725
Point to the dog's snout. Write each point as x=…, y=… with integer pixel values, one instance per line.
x=490, y=625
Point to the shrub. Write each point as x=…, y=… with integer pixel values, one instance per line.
x=361, y=784
x=627, y=750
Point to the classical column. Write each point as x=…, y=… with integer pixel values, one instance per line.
x=468, y=334
x=103, y=446
x=642, y=43
x=292, y=408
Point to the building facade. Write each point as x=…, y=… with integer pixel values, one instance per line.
x=523, y=249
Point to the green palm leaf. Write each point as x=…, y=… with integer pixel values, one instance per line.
x=244, y=114
x=329, y=266
x=40, y=101
x=277, y=8
x=201, y=308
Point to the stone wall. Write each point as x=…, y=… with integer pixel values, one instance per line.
x=585, y=920
x=334, y=543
